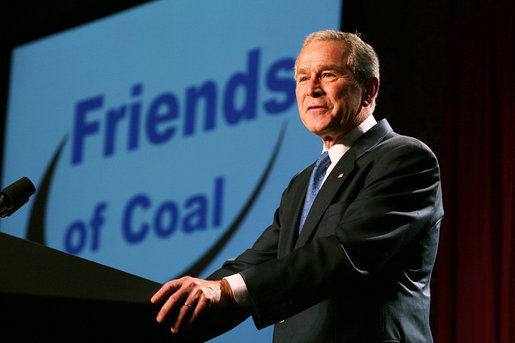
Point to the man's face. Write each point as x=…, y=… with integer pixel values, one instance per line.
x=328, y=96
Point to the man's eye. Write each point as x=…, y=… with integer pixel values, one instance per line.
x=326, y=75
x=302, y=79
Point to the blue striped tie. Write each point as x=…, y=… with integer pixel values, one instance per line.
x=314, y=185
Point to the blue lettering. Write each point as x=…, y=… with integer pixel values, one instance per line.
x=167, y=209
x=197, y=218
x=249, y=82
x=160, y=119
x=285, y=85
x=166, y=218
x=83, y=128
x=135, y=118
x=75, y=237
x=113, y=118
x=162, y=110
x=129, y=232
x=208, y=92
x=218, y=202
x=96, y=223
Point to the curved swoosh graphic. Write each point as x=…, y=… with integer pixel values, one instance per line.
x=204, y=261
x=36, y=227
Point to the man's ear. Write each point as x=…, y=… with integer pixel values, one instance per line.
x=370, y=91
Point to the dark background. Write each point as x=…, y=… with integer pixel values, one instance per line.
x=431, y=54
x=412, y=39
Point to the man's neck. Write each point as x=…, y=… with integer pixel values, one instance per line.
x=351, y=136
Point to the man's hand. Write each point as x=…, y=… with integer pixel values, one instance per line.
x=189, y=298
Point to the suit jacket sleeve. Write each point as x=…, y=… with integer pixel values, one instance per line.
x=264, y=249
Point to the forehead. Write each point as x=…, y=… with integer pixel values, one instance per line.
x=322, y=53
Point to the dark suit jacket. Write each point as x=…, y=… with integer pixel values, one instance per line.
x=360, y=269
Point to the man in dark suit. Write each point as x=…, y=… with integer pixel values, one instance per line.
x=349, y=260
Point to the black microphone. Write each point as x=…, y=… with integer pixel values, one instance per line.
x=15, y=196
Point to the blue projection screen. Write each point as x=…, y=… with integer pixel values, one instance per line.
x=161, y=138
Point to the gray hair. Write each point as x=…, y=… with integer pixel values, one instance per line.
x=362, y=59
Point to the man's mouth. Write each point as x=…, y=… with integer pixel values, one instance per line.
x=317, y=107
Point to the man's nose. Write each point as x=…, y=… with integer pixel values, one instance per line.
x=315, y=87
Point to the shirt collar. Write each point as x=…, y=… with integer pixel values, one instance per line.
x=344, y=144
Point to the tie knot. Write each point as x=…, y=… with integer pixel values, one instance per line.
x=320, y=168
x=322, y=162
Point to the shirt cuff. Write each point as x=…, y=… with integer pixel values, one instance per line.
x=239, y=289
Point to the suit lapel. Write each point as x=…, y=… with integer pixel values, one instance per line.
x=341, y=172
x=291, y=231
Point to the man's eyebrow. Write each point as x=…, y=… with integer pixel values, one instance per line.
x=332, y=67
x=335, y=67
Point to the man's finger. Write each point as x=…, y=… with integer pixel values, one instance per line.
x=170, y=305
x=167, y=288
x=185, y=313
x=178, y=288
x=202, y=305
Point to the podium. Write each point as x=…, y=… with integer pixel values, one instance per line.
x=45, y=293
